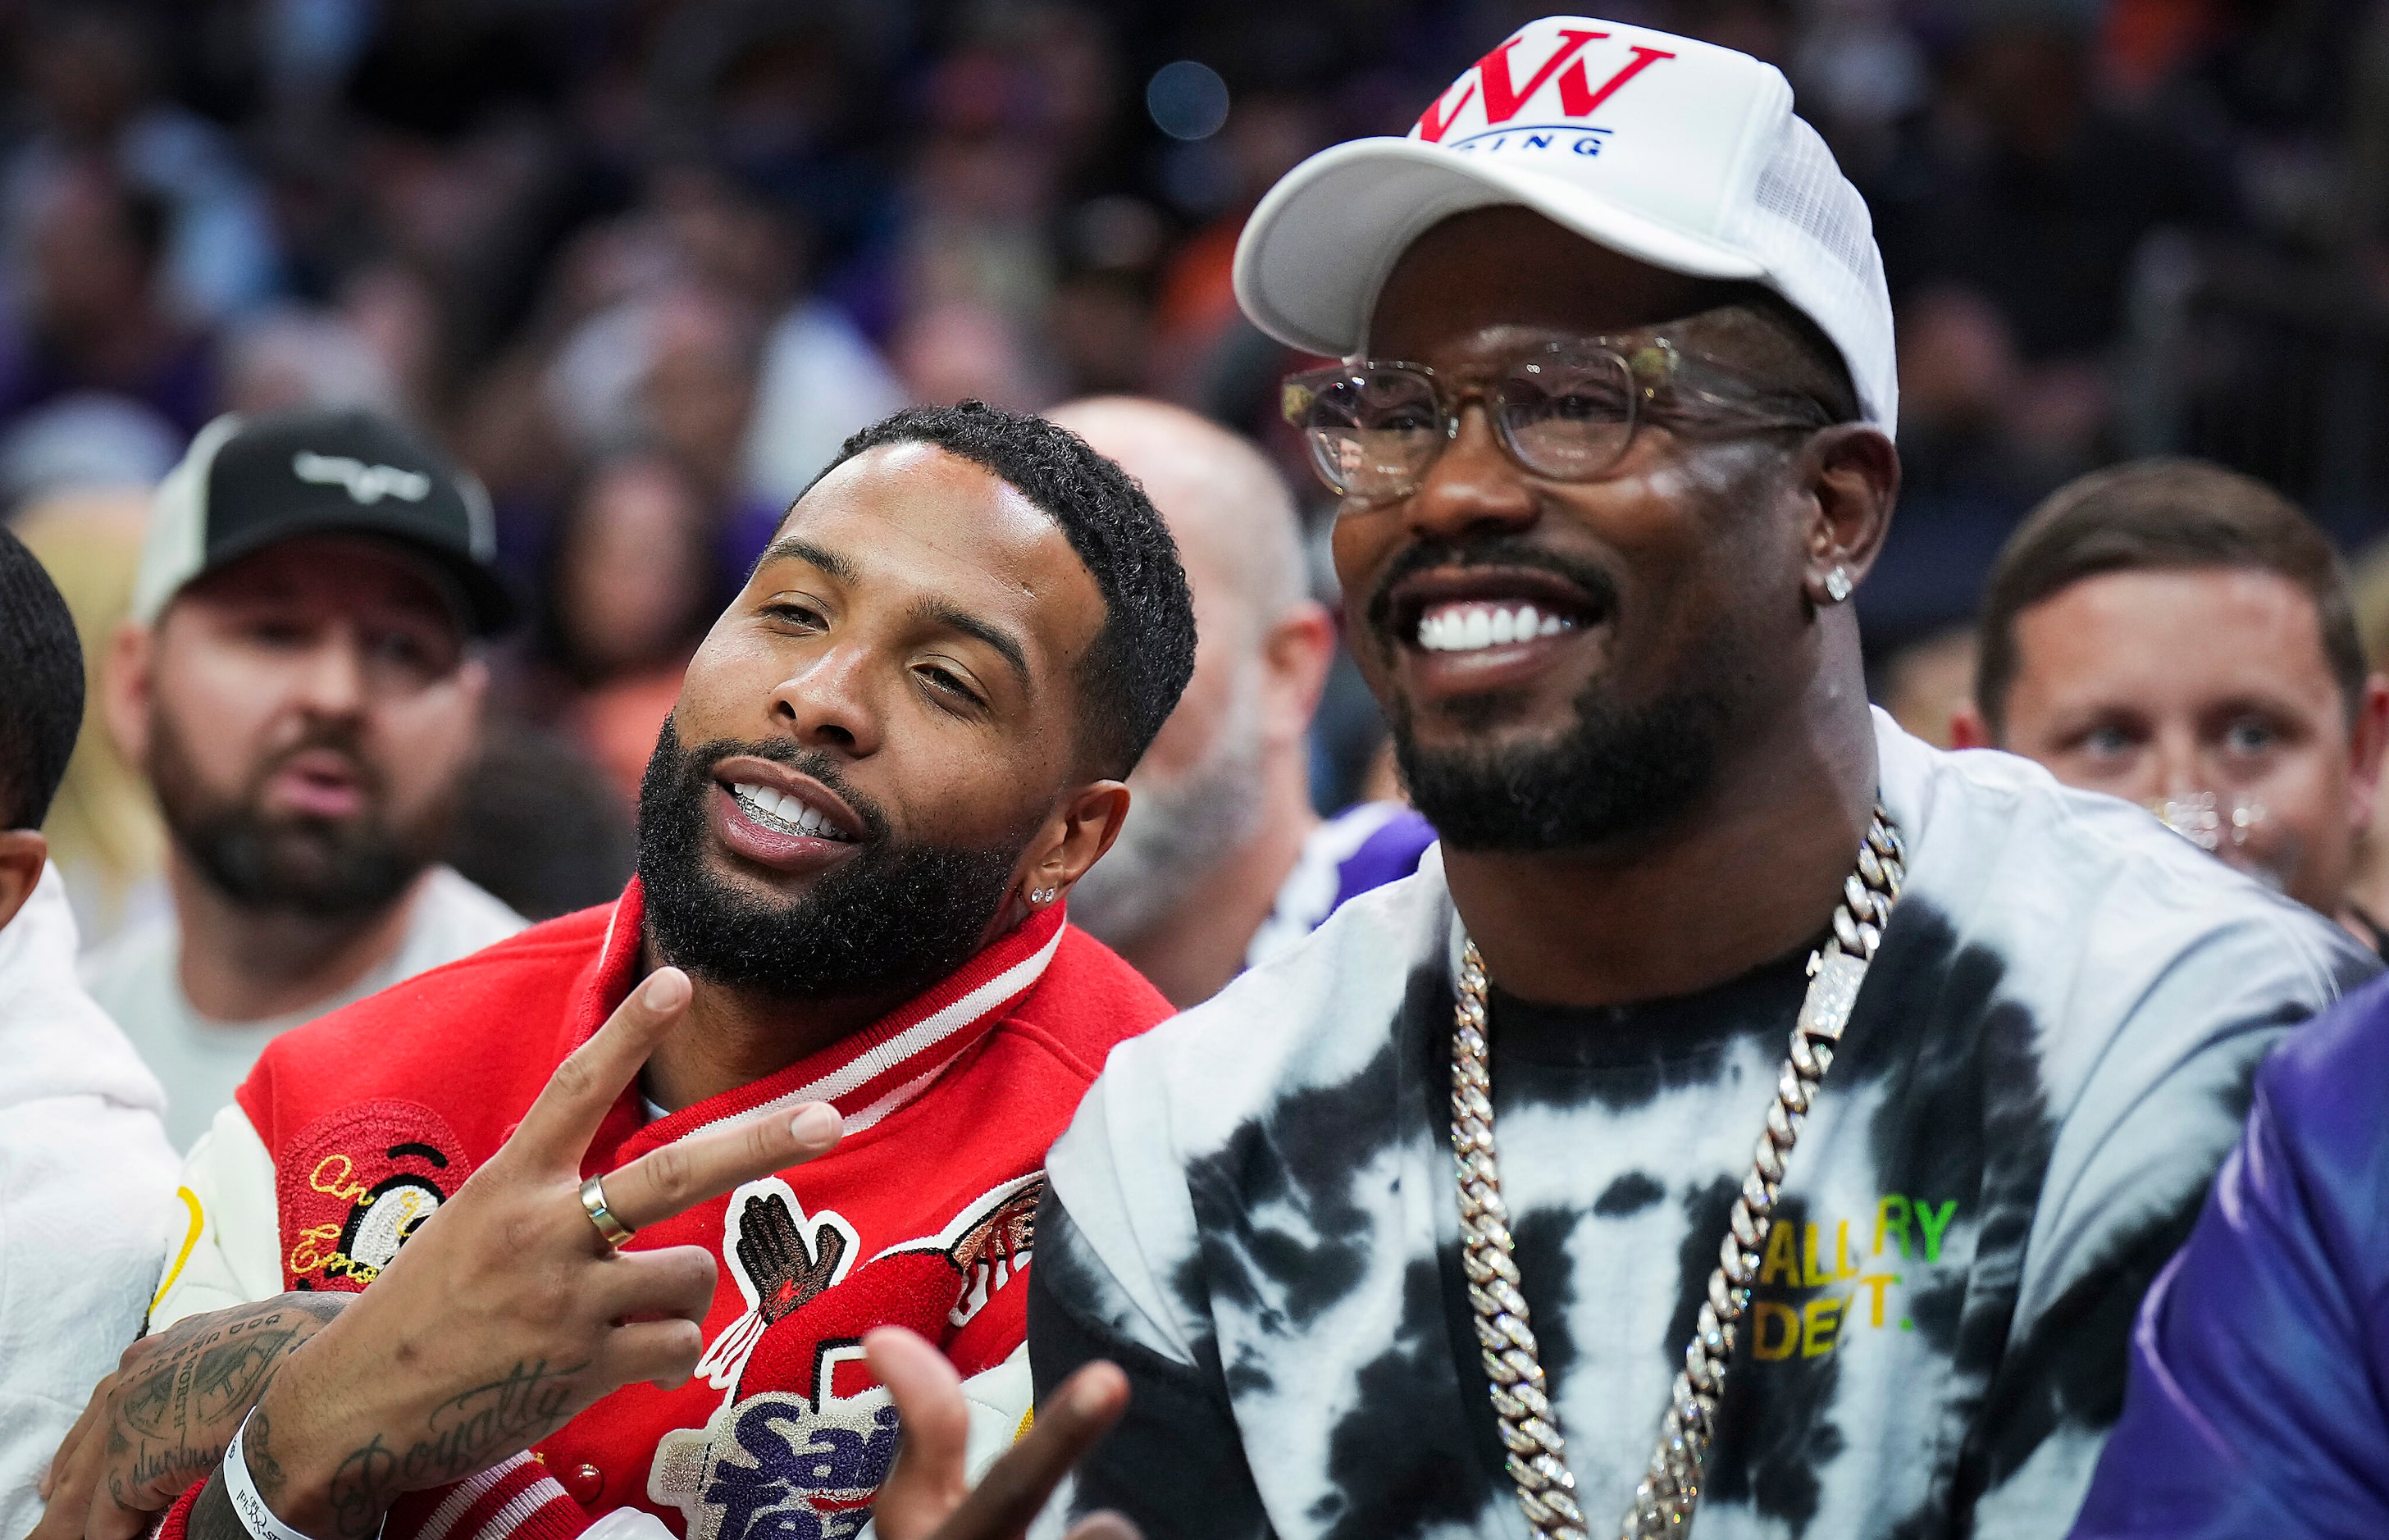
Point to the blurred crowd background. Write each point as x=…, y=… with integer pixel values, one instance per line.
x=641, y=265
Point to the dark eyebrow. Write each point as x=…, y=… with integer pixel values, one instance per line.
x=937, y=612
x=795, y=548
x=931, y=612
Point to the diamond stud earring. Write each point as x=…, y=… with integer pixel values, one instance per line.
x=1837, y=584
x=1041, y=895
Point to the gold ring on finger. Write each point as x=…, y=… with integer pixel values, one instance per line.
x=611, y=1228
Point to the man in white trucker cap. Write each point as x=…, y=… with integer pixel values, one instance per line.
x=1822, y=1103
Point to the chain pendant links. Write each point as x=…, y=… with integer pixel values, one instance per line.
x=1670, y=1488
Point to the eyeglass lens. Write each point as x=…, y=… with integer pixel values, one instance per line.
x=1374, y=431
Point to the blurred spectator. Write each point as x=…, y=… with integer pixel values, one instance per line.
x=820, y=381
x=300, y=684
x=1101, y=314
x=84, y=1171
x=105, y=836
x=1222, y=863
x=93, y=70
x=677, y=367
x=294, y=357
x=2023, y=185
x=2367, y=885
x=548, y=235
x=92, y=317
x=1928, y=684
x=85, y=443
x=541, y=828
x=631, y=591
x=966, y=349
x=2181, y=636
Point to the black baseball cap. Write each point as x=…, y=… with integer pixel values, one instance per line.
x=249, y=482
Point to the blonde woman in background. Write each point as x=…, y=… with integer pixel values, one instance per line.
x=105, y=835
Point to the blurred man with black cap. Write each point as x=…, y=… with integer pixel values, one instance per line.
x=300, y=682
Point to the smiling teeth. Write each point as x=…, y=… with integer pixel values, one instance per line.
x=1469, y=628
x=781, y=811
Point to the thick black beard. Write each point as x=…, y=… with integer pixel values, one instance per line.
x=892, y=920
x=1611, y=776
x=1616, y=774
x=331, y=870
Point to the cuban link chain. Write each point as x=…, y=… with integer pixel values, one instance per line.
x=1670, y=1489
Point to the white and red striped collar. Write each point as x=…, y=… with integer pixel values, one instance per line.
x=869, y=1075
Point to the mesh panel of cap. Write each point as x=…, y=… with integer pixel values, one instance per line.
x=1810, y=227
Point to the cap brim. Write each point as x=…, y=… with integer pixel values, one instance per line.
x=1321, y=244
x=484, y=602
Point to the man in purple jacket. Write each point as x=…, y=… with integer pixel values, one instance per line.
x=2258, y=1403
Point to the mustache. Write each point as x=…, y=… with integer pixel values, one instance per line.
x=1494, y=550
x=346, y=742
x=699, y=762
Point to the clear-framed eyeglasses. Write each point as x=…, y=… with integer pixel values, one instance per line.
x=1568, y=410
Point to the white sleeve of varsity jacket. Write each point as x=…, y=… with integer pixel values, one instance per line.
x=223, y=1242
x=1000, y=1400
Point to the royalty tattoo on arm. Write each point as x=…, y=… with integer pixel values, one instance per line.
x=469, y=1433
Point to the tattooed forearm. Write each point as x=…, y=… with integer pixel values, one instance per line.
x=467, y=1434
x=258, y=1451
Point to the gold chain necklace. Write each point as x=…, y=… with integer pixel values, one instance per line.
x=1670, y=1487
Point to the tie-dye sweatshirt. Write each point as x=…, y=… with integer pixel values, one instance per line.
x=1255, y=1211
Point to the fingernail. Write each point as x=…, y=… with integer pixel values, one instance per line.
x=815, y=1125
x=1089, y=1395
x=665, y=988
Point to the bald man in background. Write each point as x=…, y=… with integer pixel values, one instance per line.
x=1223, y=862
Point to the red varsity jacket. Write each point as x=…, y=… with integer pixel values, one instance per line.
x=922, y=1215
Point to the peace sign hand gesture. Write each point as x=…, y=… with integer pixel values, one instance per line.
x=508, y=1313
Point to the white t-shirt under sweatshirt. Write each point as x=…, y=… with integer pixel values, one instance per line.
x=86, y=1183
x=138, y=979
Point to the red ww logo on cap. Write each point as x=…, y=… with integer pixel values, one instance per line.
x=1579, y=97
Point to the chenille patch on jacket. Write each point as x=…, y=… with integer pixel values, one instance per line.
x=354, y=1185
x=805, y=1433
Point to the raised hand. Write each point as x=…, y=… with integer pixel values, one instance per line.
x=162, y=1419
x=506, y=1314
x=929, y=1494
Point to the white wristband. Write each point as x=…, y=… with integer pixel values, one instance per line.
x=248, y=1502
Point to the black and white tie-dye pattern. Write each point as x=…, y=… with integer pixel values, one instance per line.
x=1254, y=1212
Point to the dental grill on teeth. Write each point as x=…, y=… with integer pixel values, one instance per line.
x=781, y=811
x=1453, y=629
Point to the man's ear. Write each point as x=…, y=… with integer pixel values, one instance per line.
x=1082, y=830
x=1967, y=728
x=1297, y=653
x=1852, y=479
x=23, y=855
x=2368, y=738
x=127, y=685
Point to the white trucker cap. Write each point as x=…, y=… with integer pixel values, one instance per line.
x=1676, y=153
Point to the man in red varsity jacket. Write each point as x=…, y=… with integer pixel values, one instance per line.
x=895, y=752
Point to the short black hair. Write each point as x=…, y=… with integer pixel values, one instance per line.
x=1140, y=661
x=2161, y=514
x=41, y=687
